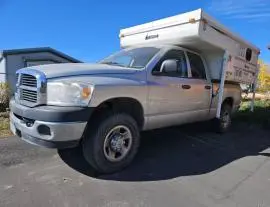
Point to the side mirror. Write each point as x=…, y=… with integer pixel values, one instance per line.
x=168, y=66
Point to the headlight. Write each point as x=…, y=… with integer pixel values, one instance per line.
x=69, y=94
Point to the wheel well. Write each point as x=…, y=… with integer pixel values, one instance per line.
x=126, y=105
x=229, y=101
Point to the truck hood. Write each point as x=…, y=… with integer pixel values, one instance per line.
x=75, y=69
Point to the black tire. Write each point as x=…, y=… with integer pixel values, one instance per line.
x=94, y=141
x=223, y=124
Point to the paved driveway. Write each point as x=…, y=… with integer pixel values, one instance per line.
x=183, y=166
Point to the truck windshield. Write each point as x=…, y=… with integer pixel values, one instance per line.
x=132, y=58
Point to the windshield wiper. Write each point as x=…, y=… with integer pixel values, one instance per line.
x=118, y=64
x=113, y=63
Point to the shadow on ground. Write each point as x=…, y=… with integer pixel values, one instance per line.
x=181, y=151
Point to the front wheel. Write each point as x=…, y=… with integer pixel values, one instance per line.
x=224, y=122
x=113, y=144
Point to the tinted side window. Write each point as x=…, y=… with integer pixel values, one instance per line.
x=181, y=63
x=196, y=65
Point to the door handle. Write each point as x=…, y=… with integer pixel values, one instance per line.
x=186, y=86
x=207, y=87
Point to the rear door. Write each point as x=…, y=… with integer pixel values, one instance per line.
x=200, y=87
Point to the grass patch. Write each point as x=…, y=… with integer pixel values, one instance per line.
x=260, y=116
x=4, y=125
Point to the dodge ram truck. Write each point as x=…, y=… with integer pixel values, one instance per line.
x=103, y=107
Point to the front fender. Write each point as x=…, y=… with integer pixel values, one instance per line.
x=119, y=88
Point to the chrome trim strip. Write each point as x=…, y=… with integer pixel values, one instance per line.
x=28, y=88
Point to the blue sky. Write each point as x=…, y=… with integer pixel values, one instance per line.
x=88, y=29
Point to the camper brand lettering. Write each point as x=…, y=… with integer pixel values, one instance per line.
x=147, y=37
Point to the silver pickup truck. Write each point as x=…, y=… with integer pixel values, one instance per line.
x=103, y=107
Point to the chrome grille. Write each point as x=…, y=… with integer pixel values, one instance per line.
x=17, y=77
x=31, y=87
x=28, y=80
x=28, y=95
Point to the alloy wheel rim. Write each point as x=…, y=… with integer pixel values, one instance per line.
x=117, y=143
x=226, y=119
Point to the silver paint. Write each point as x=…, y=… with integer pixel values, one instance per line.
x=60, y=131
x=162, y=98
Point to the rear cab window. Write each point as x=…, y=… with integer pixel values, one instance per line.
x=196, y=66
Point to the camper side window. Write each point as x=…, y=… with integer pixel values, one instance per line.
x=196, y=66
x=181, y=63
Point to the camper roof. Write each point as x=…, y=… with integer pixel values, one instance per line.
x=182, y=19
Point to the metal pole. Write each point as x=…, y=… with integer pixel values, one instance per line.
x=222, y=83
x=254, y=89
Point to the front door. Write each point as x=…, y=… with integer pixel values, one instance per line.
x=169, y=94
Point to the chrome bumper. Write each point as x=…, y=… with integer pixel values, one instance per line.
x=48, y=134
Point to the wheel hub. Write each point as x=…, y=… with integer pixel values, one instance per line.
x=117, y=143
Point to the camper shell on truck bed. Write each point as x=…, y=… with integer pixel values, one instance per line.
x=198, y=31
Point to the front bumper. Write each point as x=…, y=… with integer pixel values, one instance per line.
x=47, y=126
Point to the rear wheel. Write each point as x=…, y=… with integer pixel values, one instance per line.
x=113, y=144
x=223, y=124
